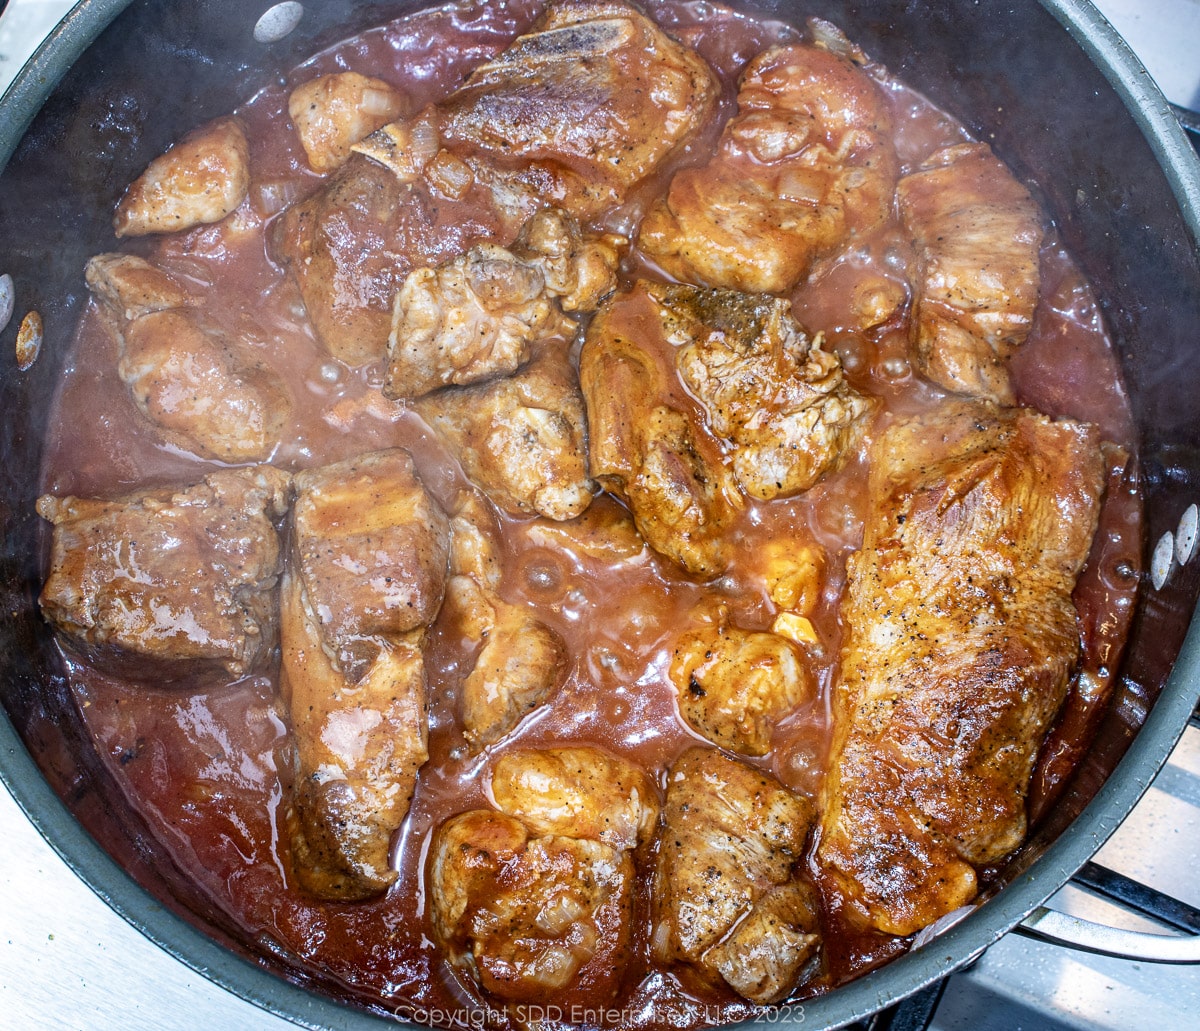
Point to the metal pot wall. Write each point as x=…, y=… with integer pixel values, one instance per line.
x=1047, y=84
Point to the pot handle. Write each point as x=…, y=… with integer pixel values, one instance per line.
x=1054, y=926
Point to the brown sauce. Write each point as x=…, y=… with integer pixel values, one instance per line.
x=208, y=768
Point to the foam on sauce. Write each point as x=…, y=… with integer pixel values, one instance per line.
x=209, y=768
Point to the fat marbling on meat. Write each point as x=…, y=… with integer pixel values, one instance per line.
x=573, y=115
x=961, y=638
x=535, y=902
x=806, y=164
x=977, y=232
x=365, y=577
x=728, y=897
x=165, y=579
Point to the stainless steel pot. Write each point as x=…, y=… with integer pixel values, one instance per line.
x=1047, y=83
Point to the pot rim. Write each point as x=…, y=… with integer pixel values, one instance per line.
x=860, y=998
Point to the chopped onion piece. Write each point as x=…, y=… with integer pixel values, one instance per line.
x=274, y=196
x=378, y=102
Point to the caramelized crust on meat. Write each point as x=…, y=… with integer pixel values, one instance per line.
x=805, y=164
x=203, y=391
x=369, y=558
x=977, y=233
x=174, y=577
x=521, y=439
x=199, y=180
x=734, y=685
x=331, y=113
x=780, y=402
x=578, y=791
x=572, y=115
x=728, y=898
x=584, y=107
x=522, y=661
x=961, y=640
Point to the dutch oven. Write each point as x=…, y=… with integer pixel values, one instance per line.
x=1048, y=84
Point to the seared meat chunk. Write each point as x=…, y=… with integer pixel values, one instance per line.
x=199, y=180
x=521, y=661
x=781, y=402
x=333, y=112
x=536, y=901
x=961, y=638
x=805, y=164
x=130, y=287
x=368, y=568
x=977, y=232
x=577, y=791
x=203, y=391
x=728, y=897
x=584, y=107
x=349, y=247
x=646, y=444
x=536, y=919
x=470, y=319
x=579, y=268
x=479, y=315
x=734, y=685
x=372, y=548
x=170, y=576
x=522, y=439
x=692, y=393
x=572, y=115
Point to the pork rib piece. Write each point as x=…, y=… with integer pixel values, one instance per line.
x=198, y=181
x=365, y=578
x=961, y=640
x=778, y=399
x=176, y=576
x=695, y=396
x=521, y=661
x=535, y=901
x=646, y=441
x=479, y=315
x=977, y=232
x=728, y=899
x=521, y=439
